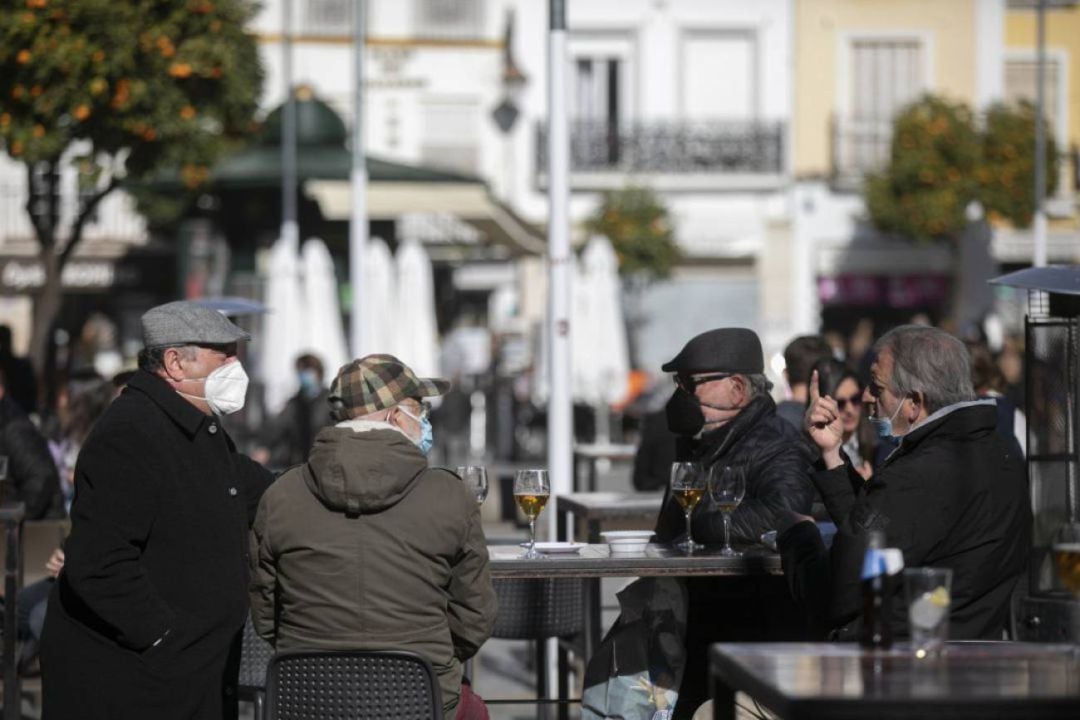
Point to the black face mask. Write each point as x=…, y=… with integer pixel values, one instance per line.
x=684, y=416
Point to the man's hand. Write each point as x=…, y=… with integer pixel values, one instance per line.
x=55, y=563
x=822, y=423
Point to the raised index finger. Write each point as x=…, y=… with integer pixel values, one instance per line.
x=814, y=394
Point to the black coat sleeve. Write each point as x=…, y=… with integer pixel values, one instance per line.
x=32, y=470
x=808, y=574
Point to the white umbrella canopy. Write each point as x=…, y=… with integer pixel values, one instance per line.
x=417, y=342
x=283, y=330
x=323, y=332
x=601, y=354
x=378, y=299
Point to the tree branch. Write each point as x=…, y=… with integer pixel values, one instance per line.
x=87, y=208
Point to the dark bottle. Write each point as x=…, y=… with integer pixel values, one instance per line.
x=877, y=593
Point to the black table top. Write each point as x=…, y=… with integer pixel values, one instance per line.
x=656, y=560
x=972, y=680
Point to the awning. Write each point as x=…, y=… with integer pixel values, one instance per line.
x=469, y=201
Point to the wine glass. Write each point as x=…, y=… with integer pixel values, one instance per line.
x=475, y=477
x=688, y=485
x=531, y=491
x=727, y=487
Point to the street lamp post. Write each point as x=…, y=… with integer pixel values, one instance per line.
x=358, y=221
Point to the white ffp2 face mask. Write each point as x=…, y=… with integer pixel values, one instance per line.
x=225, y=388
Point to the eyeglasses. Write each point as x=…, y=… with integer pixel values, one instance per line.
x=854, y=399
x=425, y=410
x=689, y=383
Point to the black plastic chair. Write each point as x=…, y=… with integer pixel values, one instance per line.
x=540, y=609
x=255, y=654
x=352, y=685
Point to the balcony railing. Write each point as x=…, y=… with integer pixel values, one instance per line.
x=672, y=147
x=859, y=147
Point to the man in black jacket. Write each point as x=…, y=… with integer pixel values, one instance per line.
x=951, y=495
x=145, y=618
x=31, y=473
x=722, y=415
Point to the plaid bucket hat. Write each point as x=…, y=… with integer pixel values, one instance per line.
x=377, y=382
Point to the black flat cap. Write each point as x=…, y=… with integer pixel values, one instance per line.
x=729, y=350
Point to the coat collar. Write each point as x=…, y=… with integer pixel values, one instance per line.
x=717, y=442
x=183, y=413
x=957, y=420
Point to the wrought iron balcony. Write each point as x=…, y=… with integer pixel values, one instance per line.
x=858, y=147
x=745, y=148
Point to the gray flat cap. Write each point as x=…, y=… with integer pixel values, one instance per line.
x=728, y=350
x=187, y=323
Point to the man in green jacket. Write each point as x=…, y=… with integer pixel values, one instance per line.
x=364, y=546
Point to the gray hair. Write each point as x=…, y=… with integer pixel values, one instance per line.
x=759, y=385
x=928, y=361
x=152, y=359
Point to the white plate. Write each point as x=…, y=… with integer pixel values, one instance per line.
x=556, y=547
x=626, y=535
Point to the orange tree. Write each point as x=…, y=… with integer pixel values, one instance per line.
x=116, y=90
x=940, y=162
x=637, y=224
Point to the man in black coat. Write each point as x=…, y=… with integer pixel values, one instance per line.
x=951, y=495
x=31, y=473
x=146, y=617
x=722, y=415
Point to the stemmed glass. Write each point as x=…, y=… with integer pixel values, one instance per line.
x=727, y=485
x=531, y=491
x=688, y=485
x=475, y=477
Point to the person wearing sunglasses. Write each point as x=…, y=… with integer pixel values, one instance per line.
x=862, y=446
x=722, y=415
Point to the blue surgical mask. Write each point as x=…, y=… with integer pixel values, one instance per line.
x=883, y=426
x=309, y=382
x=427, y=436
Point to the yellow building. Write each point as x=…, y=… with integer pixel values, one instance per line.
x=859, y=61
x=1062, y=85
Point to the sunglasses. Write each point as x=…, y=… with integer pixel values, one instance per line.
x=855, y=401
x=689, y=383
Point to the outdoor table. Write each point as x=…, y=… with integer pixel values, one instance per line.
x=973, y=680
x=595, y=561
x=591, y=453
x=597, y=507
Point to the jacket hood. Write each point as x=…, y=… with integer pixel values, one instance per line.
x=362, y=467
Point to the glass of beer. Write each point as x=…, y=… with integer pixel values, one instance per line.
x=475, y=477
x=727, y=485
x=531, y=491
x=687, y=486
x=1066, y=549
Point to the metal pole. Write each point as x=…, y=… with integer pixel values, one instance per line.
x=358, y=220
x=560, y=416
x=1039, y=239
x=290, y=232
x=560, y=419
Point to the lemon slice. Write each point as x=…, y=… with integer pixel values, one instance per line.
x=940, y=596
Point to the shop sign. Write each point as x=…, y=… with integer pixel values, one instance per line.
x=25, y=275
x=894, y=291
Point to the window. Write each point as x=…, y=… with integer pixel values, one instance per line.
x=449, y=19
x=327, y=17
x=601, y=74
x=886, y=75
x=719, y=77
x=1020, y=84
x=451, y=127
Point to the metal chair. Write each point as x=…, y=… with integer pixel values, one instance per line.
x=539, y=609
x=351, y=685
x=255, y=654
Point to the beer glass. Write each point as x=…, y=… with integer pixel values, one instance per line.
x=687, y=486
x=727, y=485
x=531, y=491
x=475, y=477
x=1066, y=550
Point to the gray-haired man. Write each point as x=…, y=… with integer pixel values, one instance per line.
x=951, y=495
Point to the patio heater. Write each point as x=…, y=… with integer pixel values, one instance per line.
x=1046, y=611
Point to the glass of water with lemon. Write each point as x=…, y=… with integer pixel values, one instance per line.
x=929, y=597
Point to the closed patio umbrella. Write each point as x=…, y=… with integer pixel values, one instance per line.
x=324, y=334
x=417, y=343
x=283, y=331
x=378, y=299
